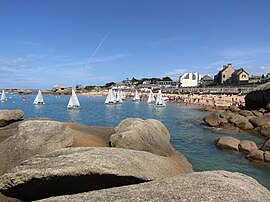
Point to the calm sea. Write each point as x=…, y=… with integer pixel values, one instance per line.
x=190, y=138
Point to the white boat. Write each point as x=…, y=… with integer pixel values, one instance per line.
x=136, y=97
x=39, y=99
x=151, y=99
x=73, y=101
x=122, y=95
x=160, y=102
x=110, y=98
x=3, y=96
x=118, y=99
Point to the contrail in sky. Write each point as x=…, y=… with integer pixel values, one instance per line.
x=94, y=53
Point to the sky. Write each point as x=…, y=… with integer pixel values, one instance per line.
x=92, y=42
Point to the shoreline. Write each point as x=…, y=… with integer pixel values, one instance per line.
x=214, y=100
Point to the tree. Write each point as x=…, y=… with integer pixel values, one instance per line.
x=154, y=80
x=133, y=80
x=107, y=85
x=166, y=78
x=89, y=87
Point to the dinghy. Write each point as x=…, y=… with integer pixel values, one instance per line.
x=3, y=96
x=136, y=97
x=151, y=99
x=110, y=99
x=160, y=102
x=118, y=99
x=73, y=101
x=39, y=99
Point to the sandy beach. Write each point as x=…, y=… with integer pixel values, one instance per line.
x=214, y=100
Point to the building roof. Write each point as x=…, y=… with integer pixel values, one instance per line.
x=207, y=78
x=239, y=71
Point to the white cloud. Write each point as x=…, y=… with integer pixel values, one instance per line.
x=109, y=58
x=176, y=73
x=252, y=70
x=169, y=40
x=14, y=59
x=243, y=53
x=29, y=43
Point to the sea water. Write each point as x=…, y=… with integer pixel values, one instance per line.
x=187, y=136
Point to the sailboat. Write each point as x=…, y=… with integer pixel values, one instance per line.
x=151, y=99
x=39, y=99
x=136, y=96
x=110, y=98
x=118, y=99
x=3, y=96
x=160, y=102
x=122, y=95
x=73, y=101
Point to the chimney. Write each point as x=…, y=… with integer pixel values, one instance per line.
x=230, y=65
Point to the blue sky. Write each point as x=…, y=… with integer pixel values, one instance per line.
x=92, y=42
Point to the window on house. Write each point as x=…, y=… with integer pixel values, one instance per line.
x=223, y=76
x=243, y=76
x=187, y=76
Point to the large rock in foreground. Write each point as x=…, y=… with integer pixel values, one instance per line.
x=9, y=116
x=90, y=136
x=76, y=170
x=31, y=138
x=259, y=98
x=148, y=135
x=203, y=186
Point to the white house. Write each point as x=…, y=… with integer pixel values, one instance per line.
x=190, y=79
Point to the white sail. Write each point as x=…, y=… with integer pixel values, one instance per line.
x=122, y=95
x=73, y=101
x=136, y=96
x=114, y=95
x=160, y=102
x=110, y=98
x=118, y=98
x=3, y=96
x=151, y=98
x=39, y=99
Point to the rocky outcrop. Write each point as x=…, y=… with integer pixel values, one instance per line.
x=214, y=120
x=260, y=121
x=246, y=146
x=236, y=119
x=11, y=129
x=259, y=98
x=148, y=135
x=256, y=155
x=227, y=142
x=90, y=136
x=266, y=145
x=9, y=116
x=244, y=125
x=233, y=108
x=254, y=122
x=246, y=113
x=265, y=129
x=267, y=156
x=31, y=138
x=257, y=113
x=75, y=170
x=201, y=186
